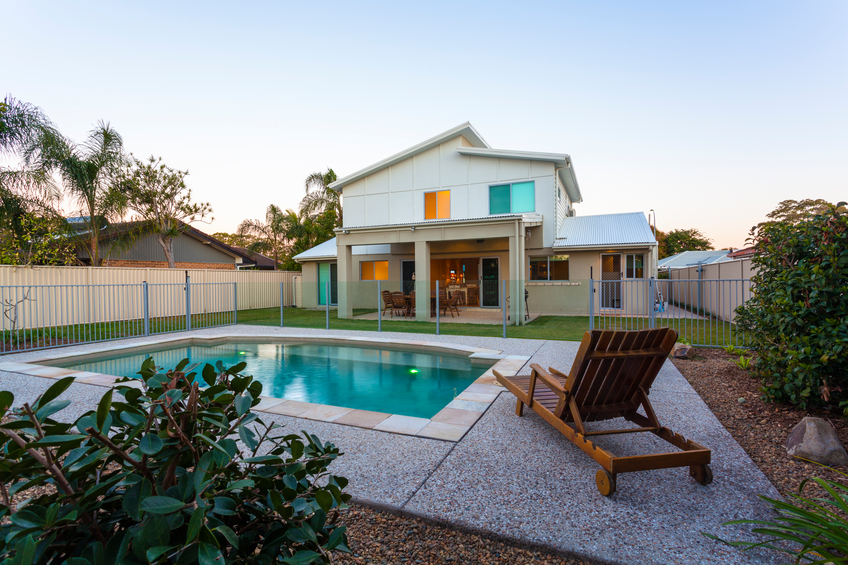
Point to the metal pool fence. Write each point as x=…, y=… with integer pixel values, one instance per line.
x=42, y=316
x=703, y=312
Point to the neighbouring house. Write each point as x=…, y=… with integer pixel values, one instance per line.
x=744, y=253
x=260, y=262
x=488, y=223
x=131, y=244
x=692, y=258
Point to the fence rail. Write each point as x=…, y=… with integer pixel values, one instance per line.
x=703, y=312
x=42, y=316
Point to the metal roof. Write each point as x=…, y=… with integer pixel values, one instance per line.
x=326, y=250
x=691, y=258
x=630, y=228
x=528, y=217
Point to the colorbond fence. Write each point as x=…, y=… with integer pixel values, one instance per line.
x=256, y=289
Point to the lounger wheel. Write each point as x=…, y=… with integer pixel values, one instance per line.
x=606, y=482
x=701, y=473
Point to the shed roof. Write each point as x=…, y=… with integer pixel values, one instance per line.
x=629, y=228
x=326, y=250
x=690, y=258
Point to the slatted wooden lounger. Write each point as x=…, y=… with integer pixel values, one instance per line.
x=610, y=378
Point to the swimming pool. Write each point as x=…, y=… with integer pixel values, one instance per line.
x=409, y=383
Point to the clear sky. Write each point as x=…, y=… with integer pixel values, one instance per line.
x=708, y=112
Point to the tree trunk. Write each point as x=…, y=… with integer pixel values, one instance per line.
x=95, y=246
x=167, y=244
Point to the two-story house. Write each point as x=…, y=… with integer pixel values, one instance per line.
x=454, y=210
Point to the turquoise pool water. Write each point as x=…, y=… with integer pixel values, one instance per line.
x=382, y=380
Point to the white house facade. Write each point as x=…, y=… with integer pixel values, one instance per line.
x=488, y=223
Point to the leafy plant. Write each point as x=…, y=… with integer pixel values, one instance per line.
x=812, y=530
x=158, y=477
x=797, y=317
x=743, y=362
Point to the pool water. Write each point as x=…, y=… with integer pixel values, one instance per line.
x=382, y=380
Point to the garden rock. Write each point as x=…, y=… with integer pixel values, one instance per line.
x=682, y=351
x=816, y=440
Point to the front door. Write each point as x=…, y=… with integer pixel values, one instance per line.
x=328, y=272
x=407, y=271
x=490, y=283
x=611, y=280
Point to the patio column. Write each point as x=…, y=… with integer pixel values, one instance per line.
x=344, y=258
x=422, y=281
x=515, y=285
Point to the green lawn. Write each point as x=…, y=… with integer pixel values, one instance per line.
x=565, y=328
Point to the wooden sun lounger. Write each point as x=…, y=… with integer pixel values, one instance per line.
x=610, y=378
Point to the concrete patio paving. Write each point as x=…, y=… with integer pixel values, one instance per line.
x=518, y=477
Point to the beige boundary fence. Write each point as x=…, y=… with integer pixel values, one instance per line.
x=729, y=288
x=256, y=289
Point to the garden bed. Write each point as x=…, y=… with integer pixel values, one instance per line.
x=761, y=428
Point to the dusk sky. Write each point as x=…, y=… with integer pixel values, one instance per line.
x=708, y=112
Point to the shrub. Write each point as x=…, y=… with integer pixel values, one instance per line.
x=812, y=530
x=797, y=318
x=159, y=478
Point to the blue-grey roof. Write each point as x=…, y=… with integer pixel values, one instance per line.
x=690, y=258
x=606, y=229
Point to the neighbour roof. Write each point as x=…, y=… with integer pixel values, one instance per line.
x=466, y=130
x=690, y=258
x=605, y=229
x=743, y=253
x=258, y=259
x=326, y=250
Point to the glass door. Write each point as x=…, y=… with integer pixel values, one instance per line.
x=328, y=272
x=611, y=280
x=407, y=272
x=490, y=283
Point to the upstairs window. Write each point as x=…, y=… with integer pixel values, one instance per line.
x=515, y=198
x=437, y=205
x=553, y=268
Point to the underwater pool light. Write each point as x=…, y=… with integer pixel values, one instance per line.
x=413, y=371
x=242, y=352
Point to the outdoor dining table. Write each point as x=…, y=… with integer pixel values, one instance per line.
x=409, y=305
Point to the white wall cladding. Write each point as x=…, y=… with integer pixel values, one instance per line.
x=395, y=195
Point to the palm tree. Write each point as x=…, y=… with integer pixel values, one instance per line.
x=22, y=127
x=89, y=175
x=320, y=198
x=270, y=235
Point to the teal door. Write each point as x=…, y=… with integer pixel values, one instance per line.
x=328, y=272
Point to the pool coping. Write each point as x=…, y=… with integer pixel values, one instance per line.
x=450, y=424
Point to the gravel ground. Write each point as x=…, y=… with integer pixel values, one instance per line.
x=519, y=479
x=761, y=428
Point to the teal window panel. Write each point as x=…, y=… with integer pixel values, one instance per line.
x=499, y=199
x=323, y=279
x=523, y=197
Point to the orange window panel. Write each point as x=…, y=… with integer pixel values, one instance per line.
x=366, y=271
x=443, y=199
x=381, y=270
x=430, y=206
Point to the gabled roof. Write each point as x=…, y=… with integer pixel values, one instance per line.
x=560, y=160
x=326, y=250
x=466, y=130
x=259, y=260
x=605, y=230
x=691, y=258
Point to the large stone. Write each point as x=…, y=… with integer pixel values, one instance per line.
x=816, y=440
x=682, y=351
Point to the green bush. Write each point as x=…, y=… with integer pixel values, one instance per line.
x=160, y=478
x=797, y=318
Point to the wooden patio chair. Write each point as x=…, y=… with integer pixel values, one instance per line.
x=398, y=304
x=610, y=378
x=473, y=296
x=448, y=304
x=387, y=302
x=410, y=310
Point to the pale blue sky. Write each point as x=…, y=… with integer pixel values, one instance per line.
x=710, y=113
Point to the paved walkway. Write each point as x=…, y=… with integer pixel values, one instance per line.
x=520, y=479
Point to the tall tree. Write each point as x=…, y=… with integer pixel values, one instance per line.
x=270, y=236
x=158, y=195
x=233, y=239
x=680, y=240
x=89, y=176
x=794, y=211
x=320, y=198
